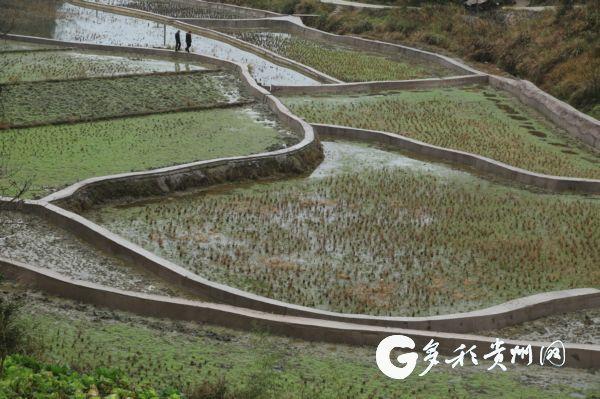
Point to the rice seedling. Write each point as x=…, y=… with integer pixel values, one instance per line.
x=31, y=239
x=382, y=241
x=72, y=23
x=27, y=65
x=178, y=9
x=150, y=352
x=55, y=156
x=30, y=103
x=346, y=64
x=479, y=120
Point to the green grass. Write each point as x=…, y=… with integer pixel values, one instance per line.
x=482, y=121
x=162, y=354
x=55, y=156
x=342, y=63
x=389, y=241
x=53, y=65
x=47, y=102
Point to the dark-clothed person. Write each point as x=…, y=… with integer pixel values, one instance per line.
x=188, y=41
x=177, y=41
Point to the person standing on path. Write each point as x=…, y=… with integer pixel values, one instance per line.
x=177, y=41
x=188, y=41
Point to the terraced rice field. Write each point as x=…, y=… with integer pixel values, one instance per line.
x=179, y=9
x=34, y=103
x=24, y=65
x=479, y=120
x=346, y=64
x=72, y=23
x=31, y=239
x=374, y=232
x=55, y=156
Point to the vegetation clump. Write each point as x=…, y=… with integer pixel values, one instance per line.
x=478, y=120
x=376, y=241
x=25, y=377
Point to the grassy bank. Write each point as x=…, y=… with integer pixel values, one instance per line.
x=192, y=358
x=479, y=120
x=55, y=156
x=391, y=241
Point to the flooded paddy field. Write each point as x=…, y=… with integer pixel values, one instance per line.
x=36, y=103
x=25, y=64
x=374, y=232
x=179, y=9
x=34, y=241
x=72, y=23
x=582, y=327
x=51, y=157
x=344, y=63
x=480, y=120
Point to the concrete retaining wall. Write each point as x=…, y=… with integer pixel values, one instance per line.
x=577, y=356
x=377, y=87
x=578, y=124
x=477, y=162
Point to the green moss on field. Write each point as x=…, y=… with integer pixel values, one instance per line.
x=160, y=353
x=391, y=241
x=47, y=102
x=478, y=120
x=53, y=65
x=55, y=156
x=343, y=63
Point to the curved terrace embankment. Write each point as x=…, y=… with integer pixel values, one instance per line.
x=577, y=355
x=495, y=317
x=289, y=319
x=294, y=160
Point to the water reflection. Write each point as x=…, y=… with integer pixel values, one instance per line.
x=67, y=22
